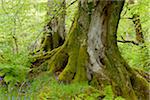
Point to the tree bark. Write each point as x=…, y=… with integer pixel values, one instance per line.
x=54, y=34
x=90, y=52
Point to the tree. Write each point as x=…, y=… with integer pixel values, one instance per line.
x=55, y=29
x=90, y=52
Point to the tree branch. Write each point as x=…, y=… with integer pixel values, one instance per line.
x=126, y=41
x=126, y=18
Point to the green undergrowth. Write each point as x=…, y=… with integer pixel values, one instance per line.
x=14, y=68
x=136, y=56
x=46, y=87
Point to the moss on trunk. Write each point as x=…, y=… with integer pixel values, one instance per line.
x=77, y=57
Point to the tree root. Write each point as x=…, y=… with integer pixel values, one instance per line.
x=140, y=83
x=41, y=58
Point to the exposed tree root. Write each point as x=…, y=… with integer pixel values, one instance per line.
x=75, y=69
x=42, y=57
x=140, y=83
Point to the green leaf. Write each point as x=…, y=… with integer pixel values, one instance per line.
x=2, y=73
x=119, y=98
x=8, y=78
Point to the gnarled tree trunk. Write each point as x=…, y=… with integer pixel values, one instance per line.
x=90, y=52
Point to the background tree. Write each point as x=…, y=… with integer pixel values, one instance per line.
x=55, y=29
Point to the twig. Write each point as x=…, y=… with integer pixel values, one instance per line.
x=16, y=44
x=20, y=90
x=126, y=18
x=126, y=41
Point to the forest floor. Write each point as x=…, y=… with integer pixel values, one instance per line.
x=46, y=87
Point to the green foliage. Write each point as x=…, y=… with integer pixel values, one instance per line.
x=70, y=12
x=14, y=68
x=109, y=94
x=46, y=87
x=16, y=36
x=136, y=56
x=22, y=19
x=119, y=98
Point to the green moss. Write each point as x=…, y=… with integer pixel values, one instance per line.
x=81, y=73
x=56, y=40
x=47, y=43
x=58, y=61
x=119, y=76
x=70, y=69
x=76, y=67
x=140, y=84
x=78, y=57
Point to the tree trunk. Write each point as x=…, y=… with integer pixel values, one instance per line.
x=54, y=34
x=90, y=52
